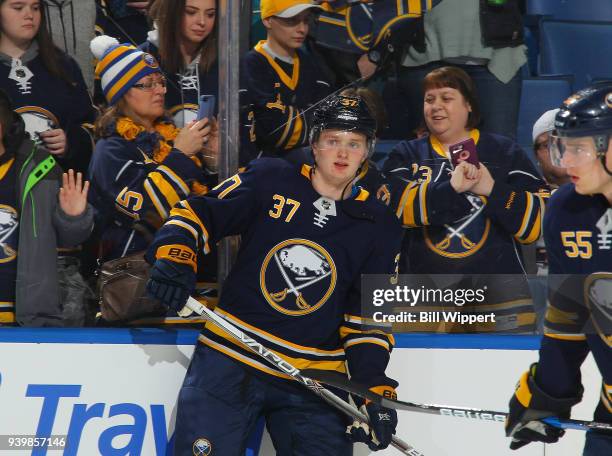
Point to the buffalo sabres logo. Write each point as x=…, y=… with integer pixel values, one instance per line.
x=37, y=120
x=463, y=237
x=297, y=277
x=150, y=61
x=8, y=227
x=359, y=25
x=183, y=114
x=202, y=447
x=598, y=295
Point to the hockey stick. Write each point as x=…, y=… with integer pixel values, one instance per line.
x=290, y=370
x=343, y=383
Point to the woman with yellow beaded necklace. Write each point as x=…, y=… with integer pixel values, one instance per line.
x=142, y=164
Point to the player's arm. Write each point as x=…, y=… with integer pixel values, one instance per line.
x=201, y=221
x=193, y=226
x=136, y=189
x=416, y=199
x=553, y=385
x=368, y=347
x=518, y=202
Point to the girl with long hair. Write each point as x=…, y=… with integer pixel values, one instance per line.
x=189, y=27
x=45, y=84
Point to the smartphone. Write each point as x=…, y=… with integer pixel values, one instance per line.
x=464, y=151
x=206, y=107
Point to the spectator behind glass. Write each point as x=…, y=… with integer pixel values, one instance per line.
x=45, y=84
x=454, y=34
x=555, y=176
x=284, y=82
x=34, y=222
x=184, y=41
x=467, y=220
x=142, y=164
x=72, y=27
x=122, y=19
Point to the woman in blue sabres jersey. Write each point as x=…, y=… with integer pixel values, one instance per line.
x=142, y=163
x=467, y=219
x=45, y=84
x=308, y=234
x=578, y=235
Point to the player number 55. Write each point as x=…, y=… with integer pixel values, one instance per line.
x=577, y=244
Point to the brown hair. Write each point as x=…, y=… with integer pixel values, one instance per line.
x=375, y=105
x=456, y=78
x=168, y=15
x=51, y=56
x=107, y=118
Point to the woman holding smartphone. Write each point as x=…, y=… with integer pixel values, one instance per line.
x=143, y=164
x=44, y=84
x=470, y=216
x=185, y=43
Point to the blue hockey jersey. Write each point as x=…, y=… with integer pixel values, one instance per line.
x=578, y=236
x=129, y=187
x=464, y=233
x=282, y=94
x=452, y=233
x=295, y=286
x=46, y=102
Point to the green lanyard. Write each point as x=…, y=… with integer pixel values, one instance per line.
x=41, y=170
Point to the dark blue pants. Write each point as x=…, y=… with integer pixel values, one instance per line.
x=220, y=402
x=597, y=444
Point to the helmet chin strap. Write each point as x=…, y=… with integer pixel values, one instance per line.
x=602, y=158
x=602, y=143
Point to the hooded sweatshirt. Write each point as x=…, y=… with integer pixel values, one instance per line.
x=72, y=27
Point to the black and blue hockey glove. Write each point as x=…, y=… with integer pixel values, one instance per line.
x=377, y=435
x=528, y=406
x=171, y=283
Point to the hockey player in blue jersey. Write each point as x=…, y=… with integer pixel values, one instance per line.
x=578, y=235
x=308, y=234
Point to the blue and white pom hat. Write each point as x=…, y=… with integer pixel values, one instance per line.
x=120, y=66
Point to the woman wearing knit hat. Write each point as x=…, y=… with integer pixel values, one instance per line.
x=45, y=84
x=142, y=164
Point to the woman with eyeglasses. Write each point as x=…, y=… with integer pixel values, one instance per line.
x=45, y=84
x=142, y=164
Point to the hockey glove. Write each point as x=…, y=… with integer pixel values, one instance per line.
x=171, y=283
x=528, y=405
x=377, y=435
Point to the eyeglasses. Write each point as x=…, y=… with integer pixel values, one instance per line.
x=150, y=85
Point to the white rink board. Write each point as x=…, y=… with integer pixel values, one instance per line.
x=138, y=383
x=469, y=378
